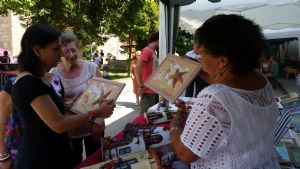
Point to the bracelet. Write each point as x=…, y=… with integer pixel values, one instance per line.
x=142, y=86
x=173, y=129
x=92, y=116
x=5, y=157
x=67, y=107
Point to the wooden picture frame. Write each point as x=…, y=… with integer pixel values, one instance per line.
x=96, y=92
x=172, y=76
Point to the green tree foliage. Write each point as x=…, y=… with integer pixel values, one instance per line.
x=88, y=19
x=95, y=20
x=184, y=42
x=135, y=23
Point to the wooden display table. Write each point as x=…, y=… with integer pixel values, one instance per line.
x=289, y=71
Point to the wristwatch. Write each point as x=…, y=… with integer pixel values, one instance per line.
x=92, y=116
x=172, y=129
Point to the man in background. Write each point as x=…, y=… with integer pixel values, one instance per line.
x=5, y=58
x=98, y=59
x=144, y=69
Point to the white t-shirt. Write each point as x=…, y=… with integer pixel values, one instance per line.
x=97, y=60
x=192, y=54
x=230, y=128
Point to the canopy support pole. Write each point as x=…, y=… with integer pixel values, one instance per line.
x=169, y=21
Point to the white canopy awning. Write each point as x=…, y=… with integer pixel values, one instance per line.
x=269, y=14
x=277, y=18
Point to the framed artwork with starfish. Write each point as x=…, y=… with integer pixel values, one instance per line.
x=97, y=92
x=172, y=76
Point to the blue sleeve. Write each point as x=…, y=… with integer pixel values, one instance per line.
x=8, y=84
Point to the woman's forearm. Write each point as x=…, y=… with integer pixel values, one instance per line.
x=5, y=112
x=3, y=148
x=182, y=152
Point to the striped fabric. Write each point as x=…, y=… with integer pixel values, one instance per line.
x=282, y=125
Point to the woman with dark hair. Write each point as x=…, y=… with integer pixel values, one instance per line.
x=232, y=122
x=11, y=124
x=45, y=141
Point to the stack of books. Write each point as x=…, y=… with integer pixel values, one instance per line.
x=288, y=101
x=147, y=147
x=289, y=147
x=131, y=161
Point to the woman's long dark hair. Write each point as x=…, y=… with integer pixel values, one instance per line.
x=37, y=34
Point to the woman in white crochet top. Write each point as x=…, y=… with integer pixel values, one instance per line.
x=231, y=124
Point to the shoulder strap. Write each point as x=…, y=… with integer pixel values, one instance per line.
x=20, y=75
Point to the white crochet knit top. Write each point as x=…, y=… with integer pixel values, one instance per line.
x=230, y=128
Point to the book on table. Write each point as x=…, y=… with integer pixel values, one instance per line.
x=155, y=140
x=136, y=160
x=287, y=97
x=283, y=154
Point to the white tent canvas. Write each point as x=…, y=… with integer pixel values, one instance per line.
x=277, y=18
x=269, y=14
x=282, y=33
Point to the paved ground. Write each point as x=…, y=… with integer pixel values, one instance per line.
x=124, y=112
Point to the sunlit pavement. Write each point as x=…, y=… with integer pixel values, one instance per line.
x=124, y=112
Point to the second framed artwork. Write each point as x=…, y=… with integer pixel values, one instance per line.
x=172, y=76
x=96, y=92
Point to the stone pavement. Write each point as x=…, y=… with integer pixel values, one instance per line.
x=124, y=112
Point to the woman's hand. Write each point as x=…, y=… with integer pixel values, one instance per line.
x=7, y=164
x=106, y=109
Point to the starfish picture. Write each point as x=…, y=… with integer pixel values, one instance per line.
x=167, y=70
x=102, y=98
x=177, y=76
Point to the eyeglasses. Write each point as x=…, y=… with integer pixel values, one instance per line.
x=67, y=51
